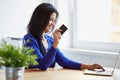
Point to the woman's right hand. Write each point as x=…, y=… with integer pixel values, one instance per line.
x=57, y=37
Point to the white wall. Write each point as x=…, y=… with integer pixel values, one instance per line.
x=15, y=15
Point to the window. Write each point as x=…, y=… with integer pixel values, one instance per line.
x=95, y=28
x=94, y=18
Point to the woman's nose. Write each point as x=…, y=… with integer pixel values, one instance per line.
x=53, y=23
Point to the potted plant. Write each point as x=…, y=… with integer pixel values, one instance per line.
x=15, y=59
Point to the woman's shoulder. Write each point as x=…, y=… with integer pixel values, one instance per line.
x=29, y=38
x=49, y=37
x=27, y=35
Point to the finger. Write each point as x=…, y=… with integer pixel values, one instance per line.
x=102, y=68
x=99, y=67
x=60, y=29
x=56, y=30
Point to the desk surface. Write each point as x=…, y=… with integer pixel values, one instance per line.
x=61, y=74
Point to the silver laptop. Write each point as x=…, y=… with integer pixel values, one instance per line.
x=99, y=72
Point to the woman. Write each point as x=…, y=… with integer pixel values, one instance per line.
x=45, y=47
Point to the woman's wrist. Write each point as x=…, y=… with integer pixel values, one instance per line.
x=55, y=46
x=84, y=66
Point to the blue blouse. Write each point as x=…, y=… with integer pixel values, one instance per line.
x=53, y=55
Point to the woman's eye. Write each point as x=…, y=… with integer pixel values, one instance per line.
x=52, y=20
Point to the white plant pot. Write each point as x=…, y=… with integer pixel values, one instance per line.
x=16, y=73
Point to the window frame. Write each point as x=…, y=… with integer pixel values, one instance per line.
x=90, y=45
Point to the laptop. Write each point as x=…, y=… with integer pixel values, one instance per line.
x=99, y=72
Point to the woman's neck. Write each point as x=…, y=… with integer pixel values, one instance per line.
x=44, y=41
x=43, y=37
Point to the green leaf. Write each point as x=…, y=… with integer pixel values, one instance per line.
x=13, y=56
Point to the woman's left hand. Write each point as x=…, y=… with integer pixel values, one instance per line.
x=92, y=67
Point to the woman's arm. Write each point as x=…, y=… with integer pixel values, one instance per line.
x=44, y=61
x=65, y=62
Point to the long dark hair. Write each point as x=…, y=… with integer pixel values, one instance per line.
x=39, y=21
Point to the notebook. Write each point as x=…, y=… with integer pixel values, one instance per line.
x=99, y=72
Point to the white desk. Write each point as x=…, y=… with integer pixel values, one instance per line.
x=62, y=74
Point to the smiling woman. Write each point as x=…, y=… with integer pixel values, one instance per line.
x=46, y=46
